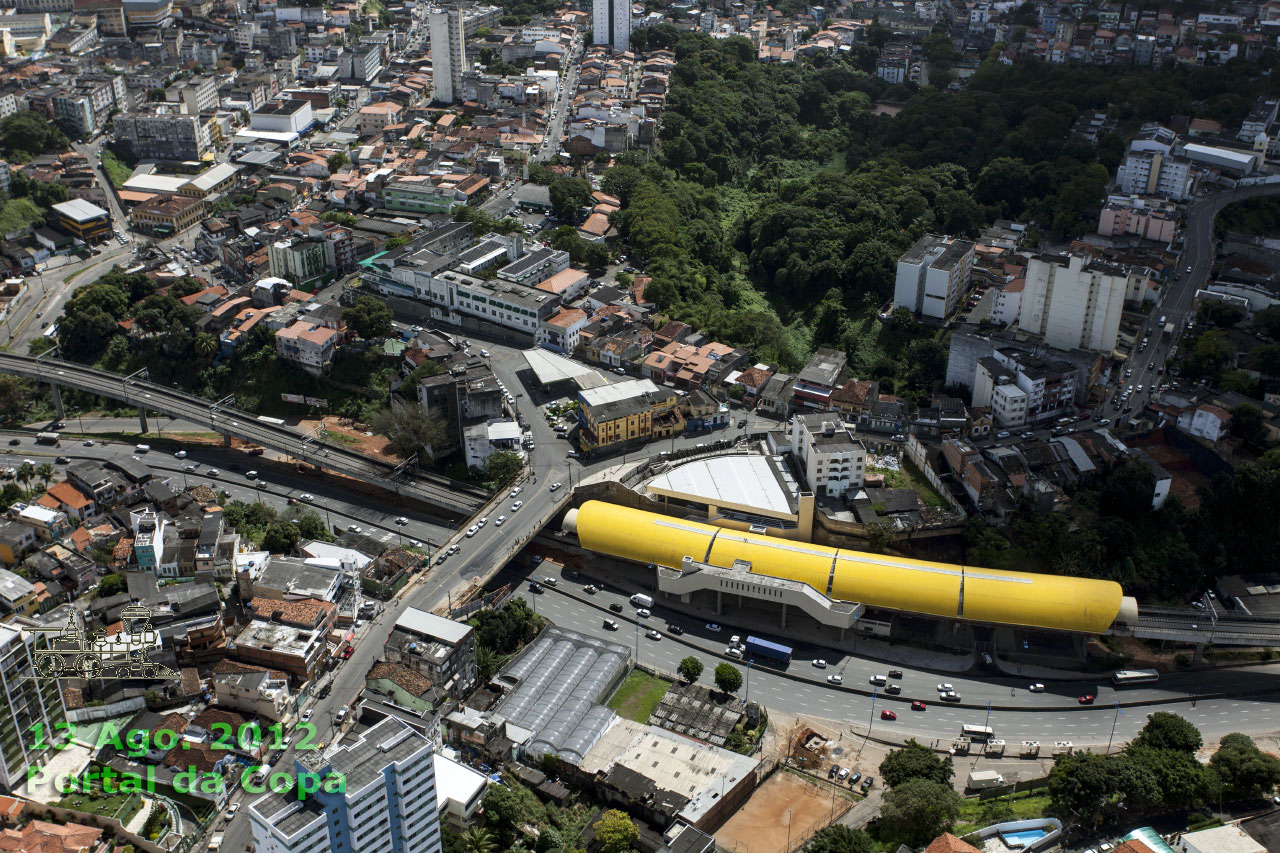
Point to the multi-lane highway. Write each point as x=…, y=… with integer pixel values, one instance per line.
x=435, y=490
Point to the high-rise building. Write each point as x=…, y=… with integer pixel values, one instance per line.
x=388, y=804
x=933, y=276
x=1072, y=301
x=448, y=54
x=28, y=701
x=611, y=23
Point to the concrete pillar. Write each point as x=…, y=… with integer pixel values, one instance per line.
x=1199, y=658
x=57, y=400
x=226, y=441
x=142, y=421
x=719, y=603
x=783, y=622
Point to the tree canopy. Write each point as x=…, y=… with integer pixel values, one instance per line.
x=914, y=761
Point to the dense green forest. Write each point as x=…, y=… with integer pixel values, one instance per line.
x=780, y=197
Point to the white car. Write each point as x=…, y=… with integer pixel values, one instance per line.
x=945, y=688
x=484, y=352
x=473, y=530
x=714, y=628
x=484, y=519
x=453, y=549
x=554, y=486
x=182, y=454
x=835, y=678
x=819, y=663
x=501, y=520
x=232, y=809
x=402, y=521
x=306, y=715
x=1036, y=688
x=733, y=653
x=514, y=492
x=212, y=472
x=306, y=497
x=643, y=613
x=353, y=528
x=191, y=467
x=515, y=507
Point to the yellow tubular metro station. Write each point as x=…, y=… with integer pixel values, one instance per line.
x=943, y=590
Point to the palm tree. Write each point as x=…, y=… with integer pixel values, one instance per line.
x=26, y=472
x=46, y=472
x=205, y=345
x=478, y=840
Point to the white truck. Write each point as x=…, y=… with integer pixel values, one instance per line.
x=215, y=843
x=979, y=779
x=642, y=600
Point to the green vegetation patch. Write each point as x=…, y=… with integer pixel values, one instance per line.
x=975, y=813
x=115, y=168
x=638, y=695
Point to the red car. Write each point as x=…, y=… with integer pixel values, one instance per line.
x=918, y=705
x=1086, y=700
x=888, y=715
x=346, y=653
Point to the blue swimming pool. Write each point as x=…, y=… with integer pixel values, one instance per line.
x=1023, y=837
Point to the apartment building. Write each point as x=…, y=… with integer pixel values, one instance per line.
x=373, y=118
x=164, y=135
x=29, y=701
x=1155, y=173
x=308, y=345
x=1073, y=302
x=1021, y=388
x=167, y=215
x=833, y=462
x=299, y=261
x=611, y=24
x=439, y=648
x=820, y=377
x=389, y=802
x=1149, y=219
x=933, y=276
x=147, y=14
x=633, y=410
x=448, y=53
x=418, y=195
x=287, y=116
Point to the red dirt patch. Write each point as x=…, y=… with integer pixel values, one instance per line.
x=760, y=826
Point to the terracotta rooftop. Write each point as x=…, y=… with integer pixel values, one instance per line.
x=42, y=837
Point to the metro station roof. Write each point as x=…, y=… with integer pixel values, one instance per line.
x=916, y=586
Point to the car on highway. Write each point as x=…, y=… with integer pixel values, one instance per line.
x=306, y=715
x=949, y=696
x=616, y=607
x=917, y=705
x=653, y=634
x=181, y=454
x=88, y=442
x=886, y=714
x=895, y=673
x=482, y=521
x=473, y=530
x=1002, y=434
x=453, y=549
x=484, y=353
x=644, y=612
x=191, y=467
x=553, y=487
x=514, y=492
x=1104, y=421
x=441, y=557
x=354, y=528
x=742, y=423
x=515, y=507
x=232, y=809
x=674, y=629
x=893, y=689
x=733, y=652
x=212, y=472
x=1188, y=270
x=1036, y=688
x=550, y=581
x=943, y=688
x=402, y=521
x=835, y=678
x=251, y=475
x=819, y=663
x=63, y=460
x=610, y=625
x=14, y=442
x=591, y=589
x=1086, y=699
x=501, y=520
x=713, y=628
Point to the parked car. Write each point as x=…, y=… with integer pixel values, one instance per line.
x=835, y=768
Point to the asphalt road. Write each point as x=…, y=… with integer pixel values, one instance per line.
x=1016, y=713
x=338, y=506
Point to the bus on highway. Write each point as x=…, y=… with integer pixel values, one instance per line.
x=48, y=438
x=977, y=732
x=1134, y=676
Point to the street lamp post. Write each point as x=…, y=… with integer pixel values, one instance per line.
x=988, y=722
x=1114, y=720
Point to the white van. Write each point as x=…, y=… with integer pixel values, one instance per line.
x=640, y=600
x=142, y=448
x=878, y=680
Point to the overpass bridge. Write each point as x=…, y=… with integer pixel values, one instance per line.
x=449, y=497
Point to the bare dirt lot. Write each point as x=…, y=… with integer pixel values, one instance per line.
x=760, y=826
